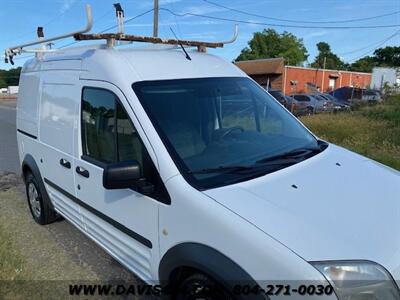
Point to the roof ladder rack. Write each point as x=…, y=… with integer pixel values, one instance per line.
x=12, y=51
x=81, y=35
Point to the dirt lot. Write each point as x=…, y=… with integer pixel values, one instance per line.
x=4, y=98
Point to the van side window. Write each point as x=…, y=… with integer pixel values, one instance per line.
x=109, y=136
x=98, y=125
x=107, y=132
x=129, y=145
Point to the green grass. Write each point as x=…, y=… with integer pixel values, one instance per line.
x=373, y=131
x=11, y=261
x=32, y=264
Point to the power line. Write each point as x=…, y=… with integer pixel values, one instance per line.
x=276, y=25
x=367, y=46
x=129, y=20
x=114, y=26
x=104, y=30
x=377, y=47
x=300, y=21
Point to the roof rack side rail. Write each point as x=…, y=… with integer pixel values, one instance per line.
x=234, y=37
x=12, y=51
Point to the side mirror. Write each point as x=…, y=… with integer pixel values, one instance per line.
x=122, y=175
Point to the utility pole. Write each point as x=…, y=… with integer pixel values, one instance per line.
x=323, y=75
x=155, y=28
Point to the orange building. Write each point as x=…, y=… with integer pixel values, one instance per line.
x=288, y=79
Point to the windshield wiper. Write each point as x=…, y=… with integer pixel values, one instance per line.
x=277, y=161
x=222, y=169
x=238, y=169
x=293, y=154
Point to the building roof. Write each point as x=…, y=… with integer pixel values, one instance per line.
x=327, y=70
x=262, y=66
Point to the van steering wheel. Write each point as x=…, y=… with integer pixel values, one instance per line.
x=230, y=130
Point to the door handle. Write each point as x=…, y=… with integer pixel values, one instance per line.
x=65, y=163
x=83, y=172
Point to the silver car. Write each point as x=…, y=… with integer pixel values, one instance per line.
x=314, y=103
x=300, y=105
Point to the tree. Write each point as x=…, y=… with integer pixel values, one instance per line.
x=365, y=64
x=271, y=44
x=326, y=59
x=382, y=57
x=3, y=83
x=10, y=77
x=388, y=56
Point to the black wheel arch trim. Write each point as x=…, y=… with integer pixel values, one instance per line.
x=30, y=162
x=209, y=261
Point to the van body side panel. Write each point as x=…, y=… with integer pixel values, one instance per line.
x=57, y=117
x=28, y=104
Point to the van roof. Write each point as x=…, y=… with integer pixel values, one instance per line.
x=155, y=62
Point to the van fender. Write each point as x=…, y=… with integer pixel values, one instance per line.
x=209, y=261
x=30, y=163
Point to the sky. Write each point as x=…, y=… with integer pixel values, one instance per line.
x=20, y=18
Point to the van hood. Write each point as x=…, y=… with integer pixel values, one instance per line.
x=336, y=205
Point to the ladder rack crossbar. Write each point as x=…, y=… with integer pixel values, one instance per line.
x=146, y=39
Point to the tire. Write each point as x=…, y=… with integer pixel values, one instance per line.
x=310, y=111
x=200, y=286
x=41, y=211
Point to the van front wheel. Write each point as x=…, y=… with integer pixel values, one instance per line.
x=199, y=286
x=40, y=211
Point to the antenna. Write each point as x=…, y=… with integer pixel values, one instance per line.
x=180, y=44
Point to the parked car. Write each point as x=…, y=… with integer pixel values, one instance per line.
x=278, y=95
x=314, y=103
x=301, y=105
x=322, y=104
x=336, y=103
x=355, y=95
x=371, y=96
x=192, y=176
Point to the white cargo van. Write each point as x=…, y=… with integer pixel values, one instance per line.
x=190, y=174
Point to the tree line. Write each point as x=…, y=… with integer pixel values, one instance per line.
x=271, y=44
x=10, y=77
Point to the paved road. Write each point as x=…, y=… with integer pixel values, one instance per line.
x=82, y=249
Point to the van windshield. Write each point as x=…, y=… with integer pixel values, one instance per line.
x=223, y=130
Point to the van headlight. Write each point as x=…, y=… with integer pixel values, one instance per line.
x=356, y=280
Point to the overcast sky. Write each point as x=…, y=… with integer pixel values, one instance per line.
x=19, y=19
